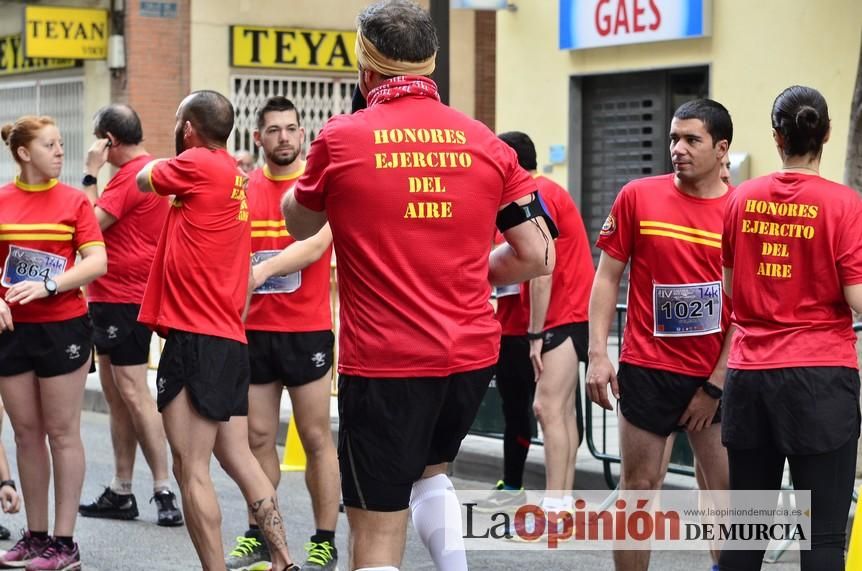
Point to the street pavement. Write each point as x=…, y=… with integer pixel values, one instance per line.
x=142, y=545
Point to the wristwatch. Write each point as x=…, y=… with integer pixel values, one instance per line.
x=712, y=390
x=89, y=180
x=51, y=287
x=535, y=336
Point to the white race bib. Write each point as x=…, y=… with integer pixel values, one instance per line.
x=684, y=310
x=26, y=265
x=276, y=284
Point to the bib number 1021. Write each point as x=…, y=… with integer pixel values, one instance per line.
x=682, y=310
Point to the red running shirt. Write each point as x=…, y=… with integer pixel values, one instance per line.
x=199, y=277
x=677, y=313
x=297, y=302
x=42, y=228
x=131, y=240
x=573, y=274
x=412, y=188
x=793, y=241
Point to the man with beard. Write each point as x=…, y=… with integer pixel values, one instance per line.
x=290, y=339
x=195, y=297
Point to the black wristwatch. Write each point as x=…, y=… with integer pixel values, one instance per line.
x=51, y=287
x=10, y=483
x=535, y=336
x=89, y=180
x=712, y=390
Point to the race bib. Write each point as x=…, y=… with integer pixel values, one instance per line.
x=26, y=265
x=686, y=309
x=276, y=284
x=507, y=290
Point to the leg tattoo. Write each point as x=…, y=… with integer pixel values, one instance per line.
x=268, y=518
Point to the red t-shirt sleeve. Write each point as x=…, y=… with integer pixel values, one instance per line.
x=175, y=176
x=728, y=233
x=616, y=237
x=849, y=250
x=310, y=190
x=115, y=198
x=87, y=232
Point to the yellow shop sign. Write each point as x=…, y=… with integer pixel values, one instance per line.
x=76, y=33
x=12, y=60
x=292, y=48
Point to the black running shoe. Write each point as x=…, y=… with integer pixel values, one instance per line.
x=166, y=504
x=111, y=505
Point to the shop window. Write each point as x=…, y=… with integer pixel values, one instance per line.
x=62, y=99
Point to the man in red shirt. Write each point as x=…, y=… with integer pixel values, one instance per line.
x=411, y=189
x=290, y=340
x=195, y=297
x=557, y=329
x=131, y=222
x=674, y=357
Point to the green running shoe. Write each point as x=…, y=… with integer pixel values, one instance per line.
x=321, y=557
x=249, y=554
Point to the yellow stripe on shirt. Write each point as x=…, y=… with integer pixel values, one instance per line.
x=683, y=237
x=678, y=228
x=92, y=243
x=58, y=227
x=36, y=237
x=269, y=233
x=267, y=224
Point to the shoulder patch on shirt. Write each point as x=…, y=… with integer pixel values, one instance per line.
x=609, y=227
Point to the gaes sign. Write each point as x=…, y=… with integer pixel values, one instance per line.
x=599, y=23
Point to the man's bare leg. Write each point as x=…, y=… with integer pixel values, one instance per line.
x=192, y=439
x=322, y=478
x=131, y=383
x=552, y=410
x=643, y=468
x=123, y=438
x=377, y=539
x=234, y=455
x=711, y=466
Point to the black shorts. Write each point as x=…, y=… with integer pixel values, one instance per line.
x=579, y=332
x=118, y=334
x=798, y=410
x=214, y=370
x=48, y=349
x=295, y=359
x=654, y=400
x=391, y=429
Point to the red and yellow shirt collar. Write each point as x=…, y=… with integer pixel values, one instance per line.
x=36, y=187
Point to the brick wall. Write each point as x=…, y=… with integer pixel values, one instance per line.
x=486, y=61
x=156, y=77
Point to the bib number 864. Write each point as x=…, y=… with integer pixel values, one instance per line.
x=26, y=270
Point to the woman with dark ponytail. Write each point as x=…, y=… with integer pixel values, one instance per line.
x=792, y=255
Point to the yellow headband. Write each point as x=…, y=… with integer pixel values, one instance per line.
x=369, y=57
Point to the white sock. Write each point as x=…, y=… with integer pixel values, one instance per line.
x=437, y=519
x=161, y=486
x=121, y=487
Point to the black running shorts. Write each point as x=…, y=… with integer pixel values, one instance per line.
x=654, y=400
x=214, y=370
x=795, y=410
x=48, y=349
x=391, y=429
x=118, y=334
x=295, y=359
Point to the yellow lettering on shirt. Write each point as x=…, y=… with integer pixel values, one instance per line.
x=425, y=184
x=771, y=270
x=428, y=210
